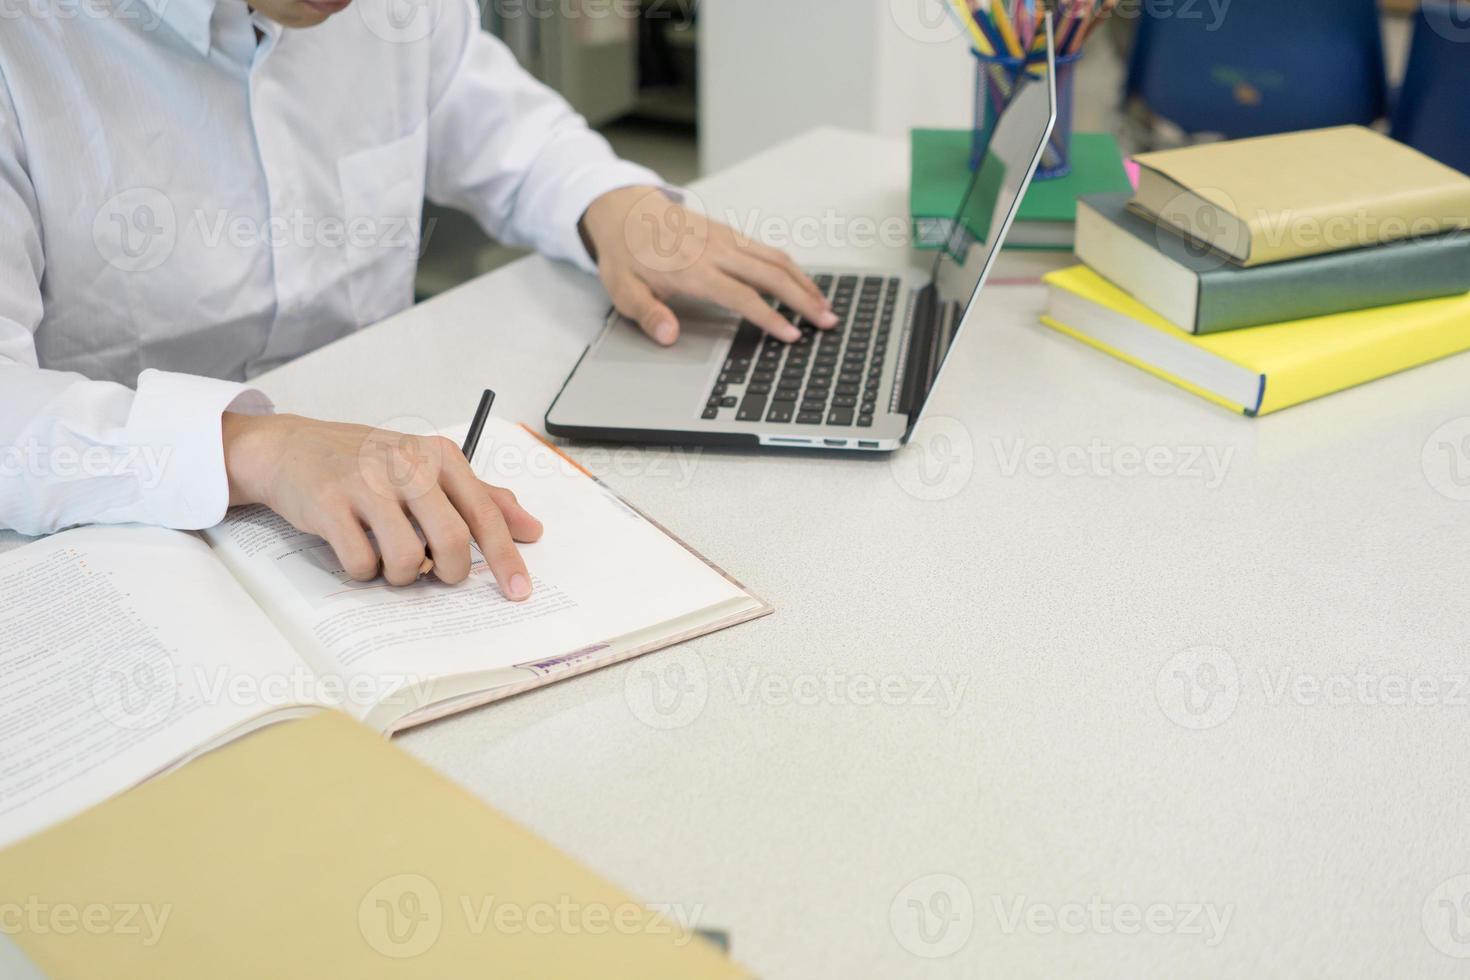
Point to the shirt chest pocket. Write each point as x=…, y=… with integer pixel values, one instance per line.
x=383, y=201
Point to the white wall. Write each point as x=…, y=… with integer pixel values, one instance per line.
x=770, y=69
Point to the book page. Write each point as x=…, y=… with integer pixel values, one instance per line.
x=125, y=650
x=600, y=572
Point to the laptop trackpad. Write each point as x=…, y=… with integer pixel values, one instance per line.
x=703, y=338
x=627, y=381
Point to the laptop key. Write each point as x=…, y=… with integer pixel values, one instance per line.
x=752, y=409
x=711, y=413
x=747, y=339
x=758, y=388
x=727, y=402
x=866, y=421
x=780, y=412
x=840, y=416
x=809, y=418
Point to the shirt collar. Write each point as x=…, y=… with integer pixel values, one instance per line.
x=190, y=19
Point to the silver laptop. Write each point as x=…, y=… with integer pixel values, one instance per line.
x=859, y=387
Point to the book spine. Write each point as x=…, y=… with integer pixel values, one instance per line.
x=1232, y=298
x=1307, y=232
x=1422, y=337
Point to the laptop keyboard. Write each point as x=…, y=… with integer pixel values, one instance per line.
x=827, y=376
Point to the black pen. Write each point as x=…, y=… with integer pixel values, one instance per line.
x=472, y=441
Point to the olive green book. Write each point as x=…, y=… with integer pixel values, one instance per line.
x=1275, y=198
x=941, y=174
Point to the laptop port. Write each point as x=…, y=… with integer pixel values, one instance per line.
x=834, y=442
x=865, y=444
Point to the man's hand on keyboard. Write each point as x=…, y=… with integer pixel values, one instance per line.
x=650, y=248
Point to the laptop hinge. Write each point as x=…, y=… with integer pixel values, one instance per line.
x=929, y=341
x=921, y=344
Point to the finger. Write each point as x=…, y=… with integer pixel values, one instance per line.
x=482, y=514
x=398, y=542
x=736, y=296
x=341, y=529
x=774, y=280
x=448, y=534
x=788, y=265
x=523, y=526
x=635, y=300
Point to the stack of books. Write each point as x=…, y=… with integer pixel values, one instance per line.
x=1266, y=272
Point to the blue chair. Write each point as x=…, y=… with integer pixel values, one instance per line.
x=1264, y=66
x=1433, y=112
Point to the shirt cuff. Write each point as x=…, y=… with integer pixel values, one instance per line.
x=179, y=416
x=578, y=196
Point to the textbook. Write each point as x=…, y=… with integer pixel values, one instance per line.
x=1273, y=198
x=1262, y=369
x=941, y=176
x=129, y=650
x=317, y=849
x=1197, y=290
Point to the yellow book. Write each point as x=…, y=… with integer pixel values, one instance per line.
x=1262, y=369
x=1273, y=198
x=315, y=849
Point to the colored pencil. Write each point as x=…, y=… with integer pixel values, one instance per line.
x=1003, y=25
x=961, y=11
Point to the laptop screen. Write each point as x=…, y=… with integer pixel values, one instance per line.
x=1014, y=149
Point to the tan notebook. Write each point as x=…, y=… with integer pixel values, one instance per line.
x=1275, y=198
x=130, y=650
x=315, y=849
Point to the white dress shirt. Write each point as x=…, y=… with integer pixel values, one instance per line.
x=184, y=206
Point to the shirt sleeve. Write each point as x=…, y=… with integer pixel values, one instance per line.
x=77, y=451
x=511, y=151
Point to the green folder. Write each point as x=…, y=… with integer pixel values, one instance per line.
x=1047, y=220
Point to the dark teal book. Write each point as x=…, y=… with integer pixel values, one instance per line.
x=1201, y=291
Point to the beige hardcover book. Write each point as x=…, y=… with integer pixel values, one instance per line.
x=1275, y=198
x=315, y=849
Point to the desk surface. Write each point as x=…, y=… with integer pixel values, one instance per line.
x=1095, y=678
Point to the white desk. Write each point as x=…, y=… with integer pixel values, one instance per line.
x=1063, y=602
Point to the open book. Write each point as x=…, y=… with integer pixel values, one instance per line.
x=129, y=650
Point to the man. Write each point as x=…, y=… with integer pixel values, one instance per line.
x=195, y=191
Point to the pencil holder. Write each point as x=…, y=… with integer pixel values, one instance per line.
x=996, y=81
